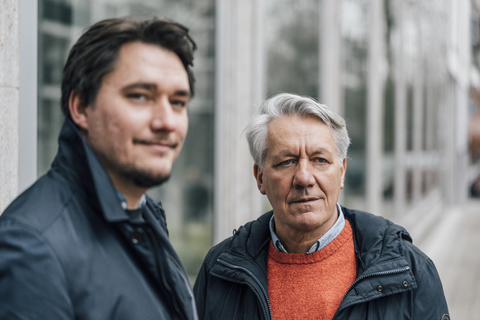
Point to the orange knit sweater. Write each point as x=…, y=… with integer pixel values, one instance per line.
x=312, y=286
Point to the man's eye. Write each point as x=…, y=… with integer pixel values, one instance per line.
x=137, y=96
x=321, y=160
x=178, y=103
x=286, y=162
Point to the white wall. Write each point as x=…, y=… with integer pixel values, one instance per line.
x=9, y=99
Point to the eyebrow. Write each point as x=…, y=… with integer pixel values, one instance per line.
x=320, y=151
x=183, y=93
x=154, y=87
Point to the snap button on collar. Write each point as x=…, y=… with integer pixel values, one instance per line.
x=137, y=236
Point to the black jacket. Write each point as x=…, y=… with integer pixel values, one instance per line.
x=395, y=280
x=69, y=251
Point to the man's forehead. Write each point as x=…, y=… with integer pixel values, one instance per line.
x=290, y=125
x=143, y=65
x=287, y=132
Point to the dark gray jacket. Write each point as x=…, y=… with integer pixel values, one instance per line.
x=69, y=251
x=395, y=280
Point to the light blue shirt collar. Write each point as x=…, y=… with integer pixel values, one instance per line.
x=322, y=242
x=124, y=203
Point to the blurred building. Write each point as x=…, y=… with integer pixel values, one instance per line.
x=404, y=74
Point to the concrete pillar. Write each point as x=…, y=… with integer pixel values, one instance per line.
x=400, y=117
x=239, y=92
x=455, y=165
x=27, y=126
x=9, y=100
x=431, y=135
x=376, y=81
x=462, y=99
x=330, y=90
x=418, y=113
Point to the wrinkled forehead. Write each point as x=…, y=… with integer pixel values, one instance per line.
x=298, y=130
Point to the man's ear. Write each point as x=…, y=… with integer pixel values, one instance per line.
x=344, y=170
x=78, y=110
x=257, y=172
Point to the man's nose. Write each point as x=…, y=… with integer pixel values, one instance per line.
x=163, y=116
x=303, y=175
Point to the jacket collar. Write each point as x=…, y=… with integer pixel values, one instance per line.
x=77, y=161
x=378, y=247
x=376, y=239
x=253, y=237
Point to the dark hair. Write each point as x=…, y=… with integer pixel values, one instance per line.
x=95, y=53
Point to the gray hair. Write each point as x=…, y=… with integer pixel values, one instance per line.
x=285, y=104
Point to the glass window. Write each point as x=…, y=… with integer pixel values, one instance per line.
x=188, y=195
x=291, y=34
x=354, y=34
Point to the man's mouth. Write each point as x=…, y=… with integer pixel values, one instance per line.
x=161, y=145
x=305, y=199
x=167, y=143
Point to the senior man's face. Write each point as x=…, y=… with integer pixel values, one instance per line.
x=302, y=176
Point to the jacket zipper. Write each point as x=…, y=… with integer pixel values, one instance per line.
x=187, y=283
x=374, y=274
x=265, y=295
x=162, y=273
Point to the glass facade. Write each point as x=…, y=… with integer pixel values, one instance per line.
x=354, y=37
x=292, y=34
x=417, y=93
x=187, y=196
x=428, y=76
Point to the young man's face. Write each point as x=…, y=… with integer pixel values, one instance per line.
x=138, y=121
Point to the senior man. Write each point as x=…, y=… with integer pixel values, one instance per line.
x=310, y=258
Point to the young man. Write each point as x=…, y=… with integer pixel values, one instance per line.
x=85, y=241
x=310, y=258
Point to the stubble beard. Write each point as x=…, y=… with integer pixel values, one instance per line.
x=145, y=178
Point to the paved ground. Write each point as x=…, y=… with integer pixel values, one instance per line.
x=454, y=246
